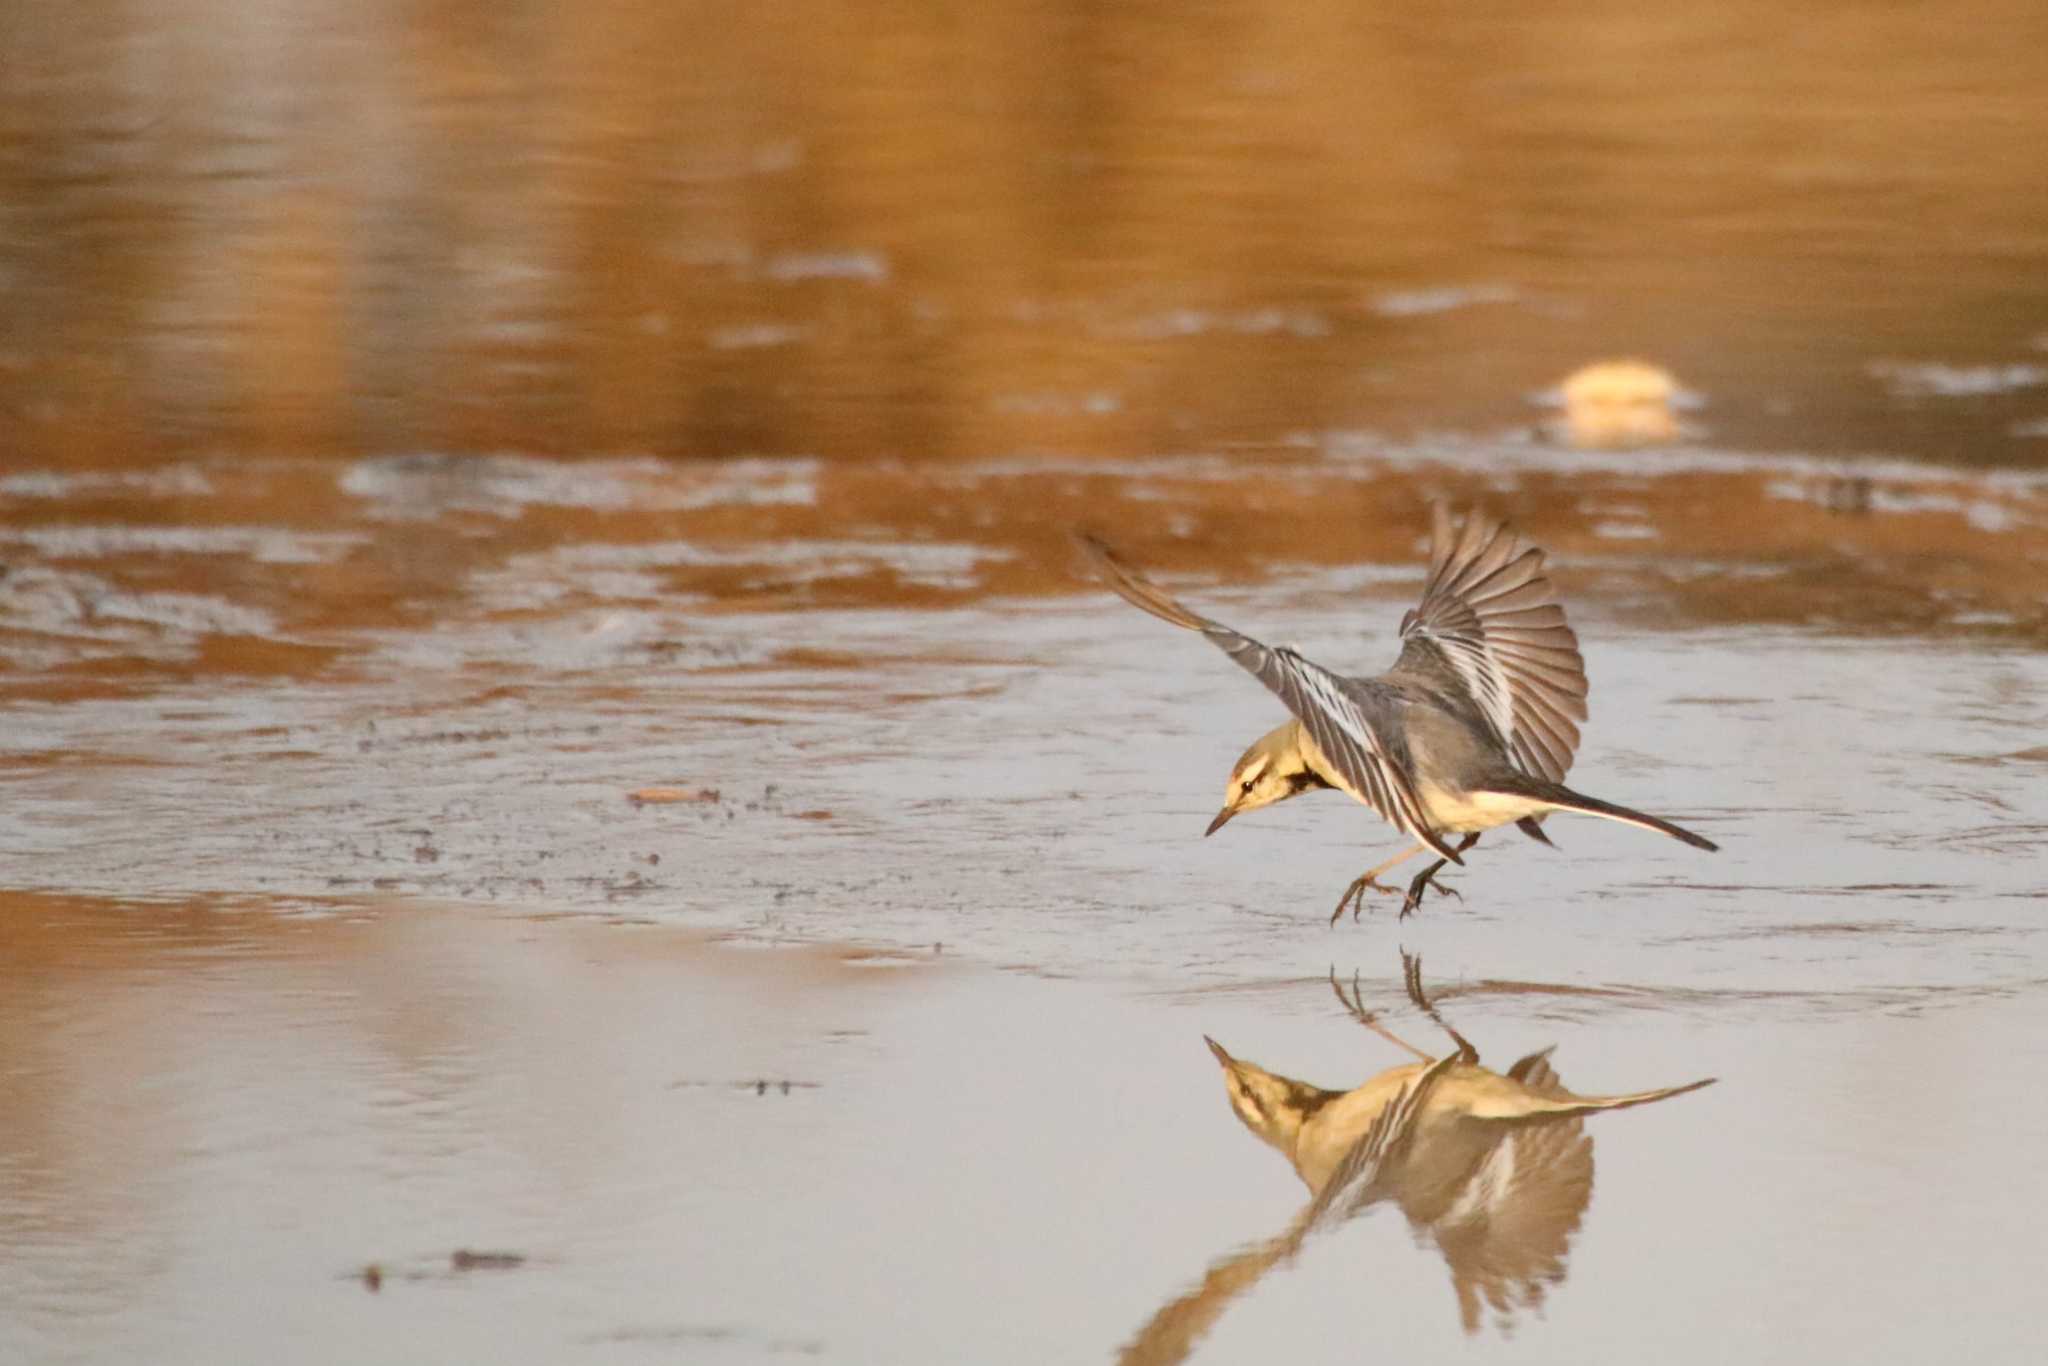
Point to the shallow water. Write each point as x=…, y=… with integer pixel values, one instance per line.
x=219, y=1123
x=336, y=939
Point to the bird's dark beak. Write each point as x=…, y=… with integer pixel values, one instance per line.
x=1217, y=1049
x=1221, y=816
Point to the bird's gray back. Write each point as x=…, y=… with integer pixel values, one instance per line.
x=1428, y=720
x=1384, y=703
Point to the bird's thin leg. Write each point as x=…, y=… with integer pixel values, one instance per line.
x=1411, y=972
x=1354, y=895
x=1422, y=881
x=1354, y=1005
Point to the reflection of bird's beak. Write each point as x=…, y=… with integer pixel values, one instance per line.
x=1221, y=816
x=1217, y=1049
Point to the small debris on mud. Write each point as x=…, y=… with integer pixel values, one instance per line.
x=656, y=796
x=760, y=1086
x=373, y=1275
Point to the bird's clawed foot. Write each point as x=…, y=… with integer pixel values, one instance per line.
x=1354, y=896
x=1354, y=1006
x=1411, y=973
x=1425, y=882
x=1411, y=981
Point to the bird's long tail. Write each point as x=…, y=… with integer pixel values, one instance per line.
x=1564, y=799
x=1560, y=1106
x=1543, y=1096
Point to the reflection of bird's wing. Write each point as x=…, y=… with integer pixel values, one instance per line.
x=1388, y=1141
x=1506, y=1237
x=1503, y=1187
x=1333, y=711
x=1490, y=625
x=1172, y=1333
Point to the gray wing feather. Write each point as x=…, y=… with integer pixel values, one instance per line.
x=1319, y=699
x=1490, y=624
x=1387, y=1138
x=1330, y=712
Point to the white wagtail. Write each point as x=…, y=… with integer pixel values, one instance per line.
x=1473, y=728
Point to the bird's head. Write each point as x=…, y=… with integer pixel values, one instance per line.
x=1272, y=770
x=1271, y=1106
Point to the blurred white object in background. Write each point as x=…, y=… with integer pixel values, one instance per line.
x=1622, y=403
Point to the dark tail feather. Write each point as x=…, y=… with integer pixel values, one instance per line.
x=1568, y=800
x=1528, y=825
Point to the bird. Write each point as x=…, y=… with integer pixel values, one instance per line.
x=1493, y=1168
x=1315, y=1128
x=1474, y=727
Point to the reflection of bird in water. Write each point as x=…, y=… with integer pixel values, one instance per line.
x=1472, y=729
x=1492, y=1167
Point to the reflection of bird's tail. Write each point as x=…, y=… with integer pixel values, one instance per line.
x=1586, y=1105
x=1564, y=799
x=1542, y=1096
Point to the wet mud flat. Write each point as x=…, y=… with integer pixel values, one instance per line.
x=758, y=911
x=896, y=711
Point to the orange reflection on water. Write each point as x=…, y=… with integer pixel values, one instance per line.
x=729, y=229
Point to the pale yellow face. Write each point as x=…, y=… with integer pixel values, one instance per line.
x=1270, y=771
x=1265, y=1103
x=1256, y=784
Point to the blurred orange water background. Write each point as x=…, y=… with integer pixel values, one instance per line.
x=706, y=229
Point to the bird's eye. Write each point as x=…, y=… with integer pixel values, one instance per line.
x=1247, y=785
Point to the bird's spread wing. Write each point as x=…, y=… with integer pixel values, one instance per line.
x=1319, y=699
x=1507, y=1235
x=1181, y=1322
x=1490, y=619
x=1333, y=718
x=1389, y=1138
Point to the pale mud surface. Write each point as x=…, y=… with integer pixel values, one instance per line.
x=333, y=940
